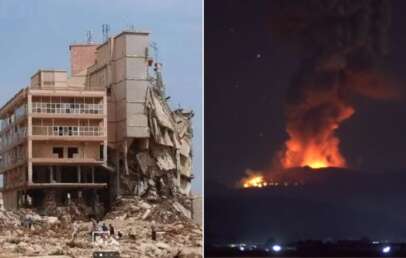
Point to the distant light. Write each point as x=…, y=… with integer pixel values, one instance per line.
x=386, y=249
x=276, y=248
x=242, y=248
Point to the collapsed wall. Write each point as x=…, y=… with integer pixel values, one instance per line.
x=149, y=144
x=163, y=168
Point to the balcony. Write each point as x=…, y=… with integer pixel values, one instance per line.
x=14, y=119
x=58, y=131
x=13, y=138
x=13, y=160
x=67, y=108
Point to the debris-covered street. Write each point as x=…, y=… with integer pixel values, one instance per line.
x=176, y=234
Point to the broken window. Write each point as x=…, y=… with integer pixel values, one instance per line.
x=59, y=151
x=72, y=151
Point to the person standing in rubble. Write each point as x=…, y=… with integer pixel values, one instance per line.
x=153, y=232
x=104, y=228
x=94, y=224
x=27, y=221
x=75, y=230
x=111, y=228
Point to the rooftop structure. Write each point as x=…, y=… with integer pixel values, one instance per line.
x=103, y=131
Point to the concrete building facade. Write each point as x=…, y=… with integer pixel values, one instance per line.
x=103, y=131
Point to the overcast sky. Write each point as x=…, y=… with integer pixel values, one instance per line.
x=36, y=34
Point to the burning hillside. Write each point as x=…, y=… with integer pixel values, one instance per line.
x=284, y=178
x=343, y=43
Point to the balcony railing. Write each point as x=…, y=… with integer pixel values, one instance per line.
x=13, y=158
x=67, y=108
x=18, y=113
x=14, y=137
x=56, y=130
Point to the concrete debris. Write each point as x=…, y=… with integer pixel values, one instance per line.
x=185, y=212
x=132, y=219
x=161, y=166
x=164, y=159
x=146, y=214
x=142, y=192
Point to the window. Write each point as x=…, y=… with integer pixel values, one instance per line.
x=56, y=131
x=59, y=151
x=102, y=151
x=75, y=131
x=72, y=151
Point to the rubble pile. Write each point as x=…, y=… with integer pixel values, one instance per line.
x=165, y=211
x=160, y=167
x=136, y=219
x=8, y=220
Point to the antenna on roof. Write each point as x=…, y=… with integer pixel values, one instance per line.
x=154, y=46
x=89, y=36
x=131, y=27
x=105, y=30
x=157, y=68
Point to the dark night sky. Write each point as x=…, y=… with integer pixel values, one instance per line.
x=247, y=73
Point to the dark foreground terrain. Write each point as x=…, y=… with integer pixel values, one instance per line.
x=332, y=204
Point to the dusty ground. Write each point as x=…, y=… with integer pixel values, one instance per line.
x=177, y=235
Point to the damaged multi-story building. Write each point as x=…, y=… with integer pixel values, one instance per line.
x=104, y=130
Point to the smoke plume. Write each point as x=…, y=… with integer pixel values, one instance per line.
x=344, y=42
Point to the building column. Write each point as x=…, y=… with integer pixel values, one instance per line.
x=105, y=128
x=93, y=174
x=79, y=174
x=125, y=146
x=117, y=170
x=58, y=175
x=29, y=134
x=105, y=153
x=51, y=174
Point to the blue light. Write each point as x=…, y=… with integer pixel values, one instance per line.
x=276, y=248
x=242, y=248
x=386, y=249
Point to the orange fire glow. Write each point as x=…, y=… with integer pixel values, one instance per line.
x=318, y=150
x=322, y=155
x=254, y=181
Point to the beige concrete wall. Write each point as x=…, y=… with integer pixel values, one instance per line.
x=35, y=81
x=49, y=79
x=98, y=79
x=103, y=53
x=122, y=64
x=15, y=177
x=10, y=200
x=82, y=56
x=119, y=47
x=197, y=203
x=131, y=85
x=87, y=150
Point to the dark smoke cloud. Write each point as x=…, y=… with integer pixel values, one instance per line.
x=344, y=43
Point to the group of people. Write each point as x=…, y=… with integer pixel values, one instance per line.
x=26, y=221
x=101, y=229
